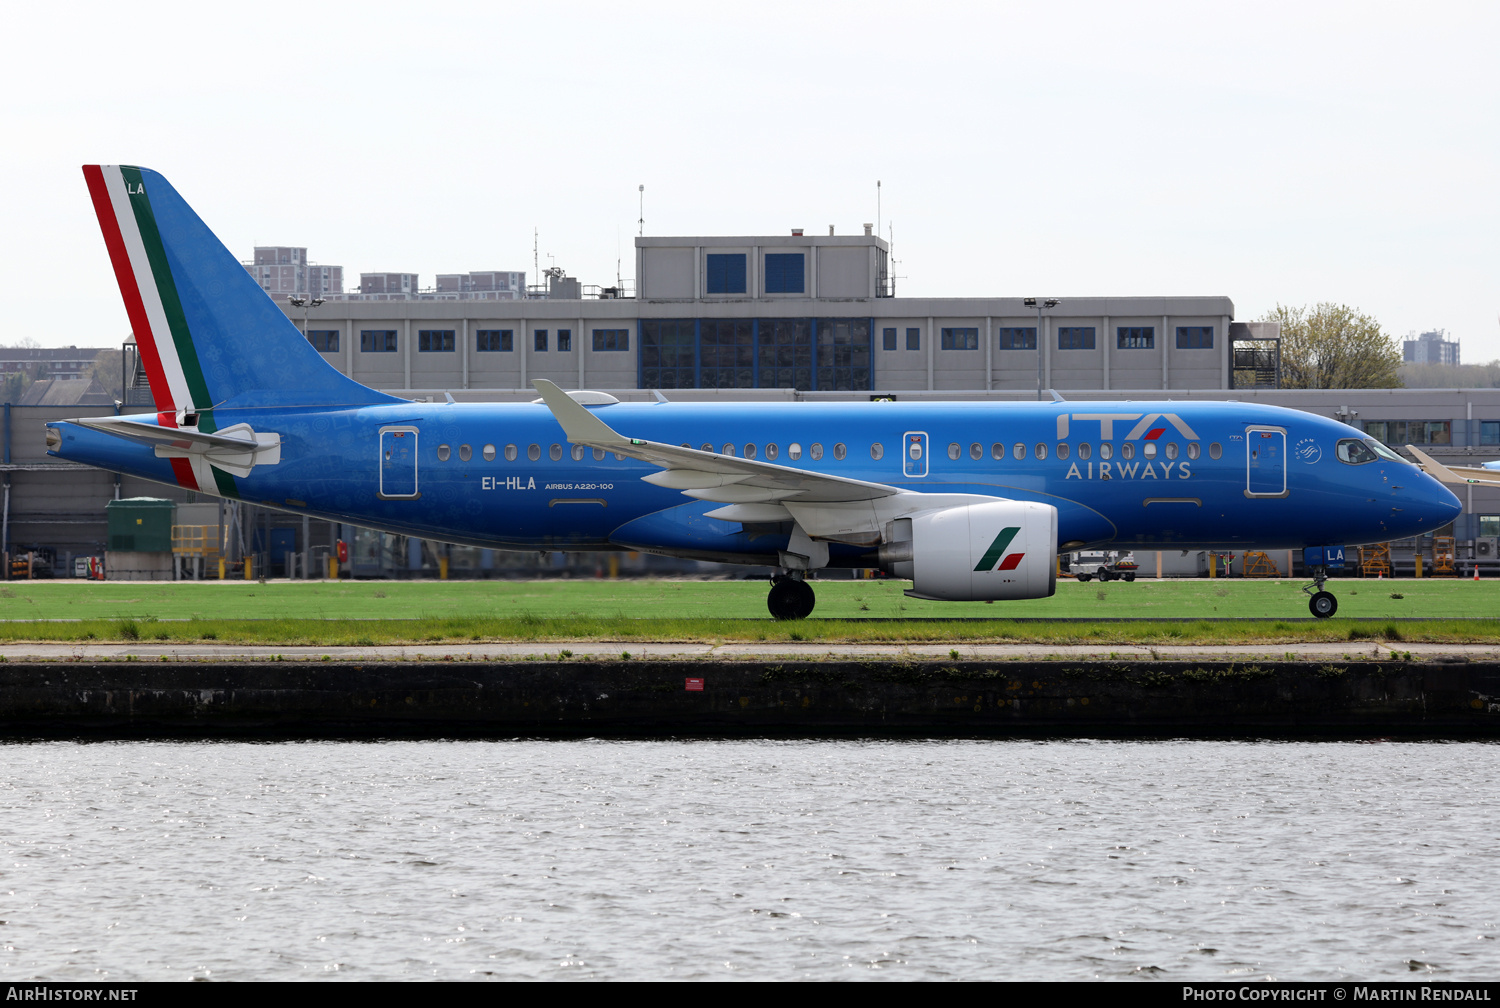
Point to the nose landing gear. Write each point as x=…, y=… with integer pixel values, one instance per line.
x=791, y=598
x=1322, y=604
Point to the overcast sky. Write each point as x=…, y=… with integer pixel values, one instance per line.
x=1288, y=152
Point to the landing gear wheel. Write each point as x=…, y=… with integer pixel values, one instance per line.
x=1323, y=605
x=790, y=599
x=1084, y=577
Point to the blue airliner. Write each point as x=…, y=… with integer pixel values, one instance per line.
x=969, y=501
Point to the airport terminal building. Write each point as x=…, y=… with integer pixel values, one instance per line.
x=794, y=318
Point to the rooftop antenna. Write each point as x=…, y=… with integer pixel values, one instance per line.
x=536, y=260
x=642, y=222
x=877, y=207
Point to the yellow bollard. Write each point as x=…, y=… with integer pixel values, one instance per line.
x=222, y=570
x=1211, y=561
x=333, y=568
x=249, y=568
x=1419, y=564
x=442, y=568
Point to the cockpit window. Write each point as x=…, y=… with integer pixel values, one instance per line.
x=1354, y=452
x=1383, y=451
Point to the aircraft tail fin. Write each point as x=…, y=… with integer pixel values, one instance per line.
x=208, y=335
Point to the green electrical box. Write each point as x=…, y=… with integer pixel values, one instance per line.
x=140, y=524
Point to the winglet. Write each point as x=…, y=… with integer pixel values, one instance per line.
x=578, y=424
x=1443, y=474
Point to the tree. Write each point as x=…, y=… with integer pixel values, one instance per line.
x=1334, y=346
x=107, y=371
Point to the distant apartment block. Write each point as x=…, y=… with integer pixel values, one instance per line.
x=63, y=363
x=484, y=285
x=1430, y=348
x=283, y=270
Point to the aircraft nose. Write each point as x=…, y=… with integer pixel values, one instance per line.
x=1436, y=504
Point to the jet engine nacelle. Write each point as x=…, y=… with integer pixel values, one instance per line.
x=977, y=552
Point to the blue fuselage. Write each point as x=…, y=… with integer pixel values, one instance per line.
x=1161, y=474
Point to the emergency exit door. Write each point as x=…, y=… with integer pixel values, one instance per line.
x=398, y=463
x=1265, y=462
x=914, y=453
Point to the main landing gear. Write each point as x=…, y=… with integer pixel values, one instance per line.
x=791, y=597
x=1322, y=603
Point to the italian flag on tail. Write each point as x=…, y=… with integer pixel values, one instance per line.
x=154, y=308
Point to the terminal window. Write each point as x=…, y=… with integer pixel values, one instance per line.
x=377, y=341
x=784, y=272
x=914, y=338
x=611, y=339
x=539, y=340
x=564, y=340
x=961, y=339
x=726, y=353
x=1489, y=430
x=1195, y=337
x=1489, y=525
x=1018, y=338
x=888, y=339
x=1135, y=337
x=1402, y=432
x=726, y=274
x=494, y=340
x=324, y=340
x=434, y=341
x=1075, y=338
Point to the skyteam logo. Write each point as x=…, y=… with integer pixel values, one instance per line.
x=997, y=550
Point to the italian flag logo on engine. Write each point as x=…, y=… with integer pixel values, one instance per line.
x=997, y=550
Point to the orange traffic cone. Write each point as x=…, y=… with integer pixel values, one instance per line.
x=1476, y=572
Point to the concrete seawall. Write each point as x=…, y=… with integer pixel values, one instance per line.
x=650, y=697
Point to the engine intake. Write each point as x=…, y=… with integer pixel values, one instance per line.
x=977, y=552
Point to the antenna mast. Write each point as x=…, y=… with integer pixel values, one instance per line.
x=877, y=207
x=642, y=222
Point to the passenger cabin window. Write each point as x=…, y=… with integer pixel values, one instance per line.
x=1041, y=451
x=488, y=452
x=1085, y=450
x=533, y=452
x=997, y=450
x=976, y=451
x=1215, y=450
x=465, y=453
x=877, y=451
x=1193, y=450
x=839, y=451
x=815, y=451
x=771, y=451
x=1127, y=450
x=953, y=450
x=1019, y=450
x=750, y=451
x=1149, y=449
x=1062, y=450
x=794, y=450
x=728, y=450
x=510, y=453
x=578, y=452
x=598, y=454
x=1106, y=450
x=443, y=452
x=555, y=452
x=1170, y=449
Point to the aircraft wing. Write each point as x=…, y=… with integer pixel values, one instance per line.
x=711, y=476
x=1455, y=475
